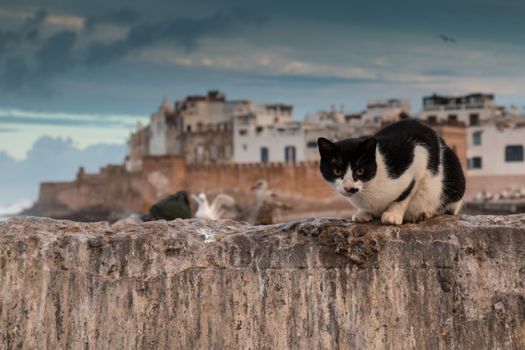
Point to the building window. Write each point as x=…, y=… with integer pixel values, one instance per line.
x=514, y=153
x=475, y=163
x=264, y=154
x=311, y=144
x=188, y=128
x=289, y=153
x=473, y=119
x=259, y=129
x=214, y=152
x=200, y=153
x=243, y=132
x=476, y=138
x=452, y=118
x=432, y=119
x=227, y=151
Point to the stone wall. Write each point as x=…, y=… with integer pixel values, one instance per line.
x=299, y=179
x=493, y=183
x=448, y=283
x=122, y=192
x=114, y=192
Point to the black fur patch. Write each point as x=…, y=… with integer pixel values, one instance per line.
x=357, y=153
x=453, y=178
x=397, y=142
x=406, y=192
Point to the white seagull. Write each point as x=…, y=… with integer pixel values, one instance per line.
x=216, y=210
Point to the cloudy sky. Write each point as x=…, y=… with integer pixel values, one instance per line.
x=89, y=70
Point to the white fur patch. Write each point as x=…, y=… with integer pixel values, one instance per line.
x=347, y=182
x=379, y=193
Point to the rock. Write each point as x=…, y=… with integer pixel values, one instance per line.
x=499, y=306
x=447, y=283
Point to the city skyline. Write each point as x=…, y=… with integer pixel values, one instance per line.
x=78, y=76
x=113, y=57
x=82, y=130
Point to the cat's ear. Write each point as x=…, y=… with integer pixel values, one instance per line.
x=369, y=145
x=326, y=148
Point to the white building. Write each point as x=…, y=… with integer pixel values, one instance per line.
x=208, y=129
x=334, y=117
x=385, y=111
x=497, y=148
x=473, y=109
x=271, y=135
x=268, y=134
x=157, y=137
x=204, y=112
x=495, y=135
x=201, y=128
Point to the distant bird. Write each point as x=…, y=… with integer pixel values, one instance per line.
x=216, y=210
x=265, y=205
x=262, y=191
x=447, y=39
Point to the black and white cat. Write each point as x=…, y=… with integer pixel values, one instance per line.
x=405, y=172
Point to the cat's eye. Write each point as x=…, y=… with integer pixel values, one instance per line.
x=338, y=172
x=360, y=172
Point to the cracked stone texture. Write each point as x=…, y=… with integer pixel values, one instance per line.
x=448, y=283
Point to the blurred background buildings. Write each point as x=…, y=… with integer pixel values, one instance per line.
x=207, y=143
x=76, y=77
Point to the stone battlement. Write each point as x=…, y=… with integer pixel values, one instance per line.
x=122, y=192
x=254, y=165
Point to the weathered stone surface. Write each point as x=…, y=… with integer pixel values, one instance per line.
x=449, y=283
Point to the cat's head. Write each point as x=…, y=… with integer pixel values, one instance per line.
x=348, y=164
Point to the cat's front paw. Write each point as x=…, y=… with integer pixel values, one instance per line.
x=425, y=216
x=362, y=216
x=389, y=218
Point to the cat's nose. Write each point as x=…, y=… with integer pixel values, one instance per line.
x=351, y=190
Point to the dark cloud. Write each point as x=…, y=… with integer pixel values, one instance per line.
x=54, y=57
x=15, y=75
x=311, y=80
x=51, y=159
x=31, y=28
x=353, y=34
x=7, y=40
x=28, y=32
x=183, y=31
x=123, y=16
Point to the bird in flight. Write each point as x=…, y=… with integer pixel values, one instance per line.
x=447, y=39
